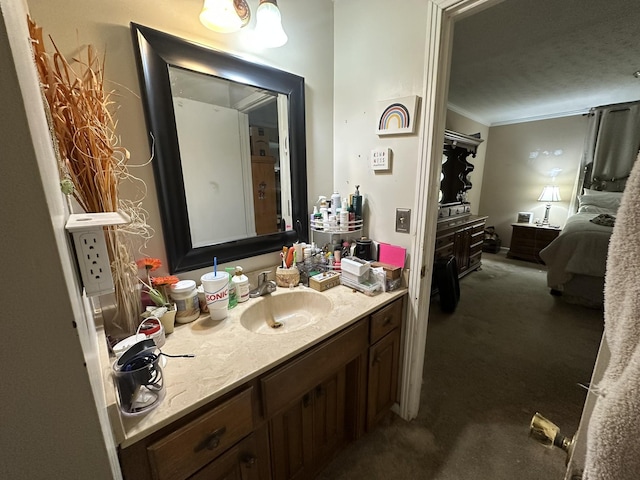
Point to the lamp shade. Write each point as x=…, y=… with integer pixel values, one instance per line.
x=269, y=25
x=550, y=193
x=225, y=16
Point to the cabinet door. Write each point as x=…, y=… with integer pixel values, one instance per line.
x=384, y=359
x=238, y=463
x=309, y=432
x=461, y=247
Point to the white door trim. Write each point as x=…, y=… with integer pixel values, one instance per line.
x=441, y=15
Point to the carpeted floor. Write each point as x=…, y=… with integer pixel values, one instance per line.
x=510, y=349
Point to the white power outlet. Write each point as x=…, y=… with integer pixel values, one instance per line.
x=91, y=248
x=93, y=260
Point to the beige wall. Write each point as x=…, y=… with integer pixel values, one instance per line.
x=309, y=53
x=513, y=179
x=50, y=423
x=462, y=124
x=379, y=55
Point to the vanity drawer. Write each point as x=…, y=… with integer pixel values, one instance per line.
x=191, y=447
x=385, y=320
x=299, y=376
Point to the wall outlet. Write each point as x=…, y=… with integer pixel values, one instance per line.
x=93, y=260
x=91, y=249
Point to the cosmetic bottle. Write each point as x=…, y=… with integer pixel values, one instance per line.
x=357, y=203
x=242, y=285
x=233, y=298
x=335, y=203
x=344, y=216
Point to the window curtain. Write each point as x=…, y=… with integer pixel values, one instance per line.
x=612, y=143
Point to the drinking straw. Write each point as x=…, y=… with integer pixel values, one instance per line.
x=215, y=266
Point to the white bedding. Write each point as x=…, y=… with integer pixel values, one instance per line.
x=581, y=249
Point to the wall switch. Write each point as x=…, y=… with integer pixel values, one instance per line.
x=380, y=158
x=403, y=220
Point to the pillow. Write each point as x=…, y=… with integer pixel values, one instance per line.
x=588, y=191
x=594, y=209
x=606, y=200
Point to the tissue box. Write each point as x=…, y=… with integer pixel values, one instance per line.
x=324, y=281
x=391, y=271
x=355, y=266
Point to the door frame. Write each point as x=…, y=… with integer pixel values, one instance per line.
x=441, y=15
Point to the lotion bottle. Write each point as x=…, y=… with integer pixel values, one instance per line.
x=242, y=285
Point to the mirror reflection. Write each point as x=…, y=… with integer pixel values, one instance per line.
x=229, y=140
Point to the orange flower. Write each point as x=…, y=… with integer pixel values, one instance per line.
x=149, y=264
x=163, y=281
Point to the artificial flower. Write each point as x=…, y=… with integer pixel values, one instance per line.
x=149, y=264
x=164, y=281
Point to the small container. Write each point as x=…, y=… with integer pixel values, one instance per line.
x=185, y=296
x=287, y=277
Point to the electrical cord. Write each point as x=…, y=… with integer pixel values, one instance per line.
x=142, y=370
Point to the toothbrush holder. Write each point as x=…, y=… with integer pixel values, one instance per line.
x=287, y=277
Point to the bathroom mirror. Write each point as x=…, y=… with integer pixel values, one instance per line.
x=228, y=137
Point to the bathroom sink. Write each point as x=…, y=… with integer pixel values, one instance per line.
x=287, y=312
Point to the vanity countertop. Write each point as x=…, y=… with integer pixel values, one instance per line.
x=226, y=356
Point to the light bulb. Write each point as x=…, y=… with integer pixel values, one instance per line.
x=269, y=25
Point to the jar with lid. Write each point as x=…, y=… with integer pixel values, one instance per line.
x=185, y=296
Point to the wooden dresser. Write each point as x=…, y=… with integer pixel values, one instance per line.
x=461, y=237
x=527, y=240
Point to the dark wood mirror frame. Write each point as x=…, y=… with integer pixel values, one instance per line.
x=155, y=51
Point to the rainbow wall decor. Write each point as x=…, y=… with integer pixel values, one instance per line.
x=397, y=116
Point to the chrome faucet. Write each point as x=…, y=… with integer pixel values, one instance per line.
x=264, y=286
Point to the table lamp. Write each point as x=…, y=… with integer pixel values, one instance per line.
x=550, y=193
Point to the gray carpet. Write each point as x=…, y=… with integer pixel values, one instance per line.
x=510, y=349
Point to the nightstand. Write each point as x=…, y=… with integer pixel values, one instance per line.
x=527, y=240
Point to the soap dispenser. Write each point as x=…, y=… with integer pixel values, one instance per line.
x=242, y=285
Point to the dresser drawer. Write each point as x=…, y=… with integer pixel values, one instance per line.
x=385, y=320
x=191, y=447
x=444, y=239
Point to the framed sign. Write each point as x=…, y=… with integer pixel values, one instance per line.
x=397, y=116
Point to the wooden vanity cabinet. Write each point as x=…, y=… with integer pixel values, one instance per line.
x=291, y=421
x=306, y=401
x=384, y=361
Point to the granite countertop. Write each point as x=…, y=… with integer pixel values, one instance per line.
x=227, y=355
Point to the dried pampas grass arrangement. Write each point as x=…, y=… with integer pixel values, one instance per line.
x=92, y=163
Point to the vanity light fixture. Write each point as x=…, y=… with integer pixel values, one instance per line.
x=269, y=24
x=225, y=16
x=550, y=193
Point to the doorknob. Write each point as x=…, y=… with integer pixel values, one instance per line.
x=548, y=434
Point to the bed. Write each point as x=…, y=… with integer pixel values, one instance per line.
x=576, y=260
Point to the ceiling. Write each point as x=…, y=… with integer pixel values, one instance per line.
x=524, y=60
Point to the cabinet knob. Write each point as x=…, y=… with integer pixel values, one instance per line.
x=213, y=440
x=249, y=460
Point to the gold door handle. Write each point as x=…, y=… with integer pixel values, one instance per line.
x=548, y=434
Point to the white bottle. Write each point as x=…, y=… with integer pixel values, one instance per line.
x=324, y=211
x=344, y=216
x=241, y=282
x=335, y=203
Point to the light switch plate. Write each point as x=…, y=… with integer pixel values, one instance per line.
x=403, y=220
x=380, y=158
